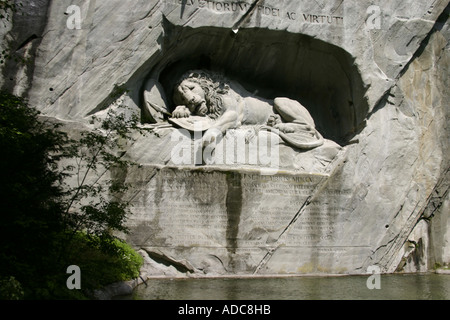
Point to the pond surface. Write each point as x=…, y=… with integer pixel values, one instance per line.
x=392, y=287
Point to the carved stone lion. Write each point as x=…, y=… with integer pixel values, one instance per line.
x=207, y=94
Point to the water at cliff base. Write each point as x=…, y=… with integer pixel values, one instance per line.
x=392, y=287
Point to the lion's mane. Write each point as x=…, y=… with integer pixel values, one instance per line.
x=213, y=84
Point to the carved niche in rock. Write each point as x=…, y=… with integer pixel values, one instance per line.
x=210, y=103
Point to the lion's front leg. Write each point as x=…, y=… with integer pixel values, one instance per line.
x=181, y=112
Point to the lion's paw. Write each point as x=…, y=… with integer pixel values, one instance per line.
x=285, y=127
x=181, y=112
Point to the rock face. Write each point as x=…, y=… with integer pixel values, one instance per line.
x=373, y=77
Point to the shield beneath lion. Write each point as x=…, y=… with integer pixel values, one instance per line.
x=193, y=123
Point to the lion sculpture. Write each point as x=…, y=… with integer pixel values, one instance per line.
x=230, y=106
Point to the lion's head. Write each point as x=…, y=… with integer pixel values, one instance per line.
x=201, y=92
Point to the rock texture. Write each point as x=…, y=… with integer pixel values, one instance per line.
x=374, y=77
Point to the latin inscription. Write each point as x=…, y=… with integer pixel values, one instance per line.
x=193, y=209
x=264, y=10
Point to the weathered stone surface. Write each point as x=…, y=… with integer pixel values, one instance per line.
x=117, y=289
x=440, y=236
x=373, y=76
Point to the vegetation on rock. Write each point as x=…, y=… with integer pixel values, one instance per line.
x=49, y=222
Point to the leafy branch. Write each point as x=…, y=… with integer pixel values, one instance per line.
x=93, y=200
x=61, y=203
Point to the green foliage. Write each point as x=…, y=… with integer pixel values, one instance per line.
x=43, y=215
x=94, y=204
x=30, y=212
x=10, y=289
x=438, y=265
x=100, y=268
